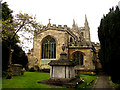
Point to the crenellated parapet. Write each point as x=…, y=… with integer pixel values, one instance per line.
x=80, y=44
x=55, y=27
x=96, y=44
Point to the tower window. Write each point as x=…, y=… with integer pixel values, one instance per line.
x=82, y=33
x=71, y=40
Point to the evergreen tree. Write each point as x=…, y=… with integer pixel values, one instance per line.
x=6, y=12
x=109, y=36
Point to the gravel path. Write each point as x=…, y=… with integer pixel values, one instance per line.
x=103, y=82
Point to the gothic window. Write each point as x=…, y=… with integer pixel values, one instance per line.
x=78, y=58
x=71, y=40
x=82, y=34
x=48, y=48
x=80, y=38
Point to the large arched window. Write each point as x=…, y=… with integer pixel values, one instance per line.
x=48, y=48
x=78, y=58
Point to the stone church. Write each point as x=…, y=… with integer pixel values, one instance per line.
x=48, y=41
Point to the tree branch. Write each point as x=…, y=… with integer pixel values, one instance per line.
x=18, y=30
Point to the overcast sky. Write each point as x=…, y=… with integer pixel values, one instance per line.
x=64, y=11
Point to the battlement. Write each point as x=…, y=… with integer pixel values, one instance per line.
x=96, y=44
x=82, y=28
x=54, y=26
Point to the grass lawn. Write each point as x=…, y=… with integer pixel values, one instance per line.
x=28, y=80
x=87, y=79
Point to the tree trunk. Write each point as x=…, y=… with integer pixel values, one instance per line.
x=10, y=55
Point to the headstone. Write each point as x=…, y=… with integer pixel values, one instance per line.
x=9, y=72
x=17, y=69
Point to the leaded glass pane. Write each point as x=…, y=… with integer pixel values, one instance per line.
x=48, y=48
x=78, y=58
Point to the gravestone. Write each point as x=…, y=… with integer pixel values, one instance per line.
x=17, y=69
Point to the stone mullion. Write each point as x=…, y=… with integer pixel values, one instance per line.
x=53, y=50
x=48, y=50
x=43, y=51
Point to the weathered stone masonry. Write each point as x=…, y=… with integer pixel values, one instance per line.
x=76, y=40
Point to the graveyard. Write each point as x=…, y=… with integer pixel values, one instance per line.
x=59, y=55
x=62, y=75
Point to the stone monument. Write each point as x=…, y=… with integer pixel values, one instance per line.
x=62, y=68
x=62, y=72
x=17, y=69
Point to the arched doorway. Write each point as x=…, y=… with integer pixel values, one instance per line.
x=78, y=58
x=48, y=50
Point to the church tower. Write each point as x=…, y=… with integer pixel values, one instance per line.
x=73, y=23
x=74, y=27
x=87, y=30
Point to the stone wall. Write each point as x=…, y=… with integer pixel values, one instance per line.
x=17, y=69
x=87, y=59
x=60, y=37
x=30, y=59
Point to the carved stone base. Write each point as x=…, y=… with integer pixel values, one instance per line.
x=69, y=83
